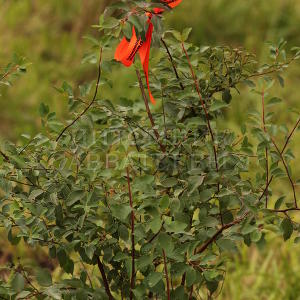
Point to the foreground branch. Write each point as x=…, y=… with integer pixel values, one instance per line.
x=220, y=231
x=90, y=104
x=167, y=275
x=207, y=118
x=287, y=170
x=4, y=155
x=162, y=147
x=172, y=62
x=104, y=278
x=266, y=148
x=132, y=282
x=281, y=153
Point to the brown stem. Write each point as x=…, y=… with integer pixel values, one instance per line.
x=15, y=68
x=4, y=155
x=162, y=147
x=90, y=104
x=282, y=151
x=275, y=69
x=287, y=170
x=219, y=231
x=17, y=181
x=172, y=62
x=183, y=279
x=132, y=282
x=206, y=116
x=104, y=278
x=285, y=210
x=156, y=234
x=191, y=292
x=203, y=105
x=290, y=135
x=167, y=275
x=266, y=149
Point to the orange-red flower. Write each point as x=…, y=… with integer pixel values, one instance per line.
x=126, y=50
x=172, y=3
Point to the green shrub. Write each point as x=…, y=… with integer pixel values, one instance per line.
x=151, y=196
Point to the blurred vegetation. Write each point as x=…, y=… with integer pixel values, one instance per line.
x=50, y=34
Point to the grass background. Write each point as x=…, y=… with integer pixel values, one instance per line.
x=50, y=34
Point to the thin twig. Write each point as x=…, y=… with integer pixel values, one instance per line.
x=87, y=273
x=172, y=62
x=282, y=151
x=90, y=104
x=17, y=181
x=15, y=68
x=26, y=146
x=285, y=210
x=275, y=69
x=206, y=116
x=266, y=149
x=105, y=281
x=224, y=227
x=4, y=155
x=287, y=170
x=132, y=282
x=167, y=275
x=157, y=234
x=162, y=147
x=290, y=135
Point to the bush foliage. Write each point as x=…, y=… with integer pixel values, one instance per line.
x=141, y=201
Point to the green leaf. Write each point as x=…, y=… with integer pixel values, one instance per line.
x=155, y=224
x=169, y=182
x=191, y=276
x=74, y=197
x=255, y=236
x=153, y=278
x=226, y=244
x=287, y=228
x=248, y=228
x=226, y=96
x=34, y=194
x=166, y=243
x=43, y=277
x=175, y=226
x=217, y=105
x=62, y=256
x=274, y=101
x=109, y=23
x=176, y=34
x=18, y=283
x=43, y=110
x=195, y=181
x=164, y=202
x=279, y=202
x=144, y=261
x=185, y=34
x=210, y=275
x=120, y=211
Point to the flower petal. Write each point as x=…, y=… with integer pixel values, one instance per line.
x=172, y=3
x=144, y=52
x=126, y=51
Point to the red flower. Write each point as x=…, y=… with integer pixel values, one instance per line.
x=126, y=50
x=158, y=10
x=172, y=3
